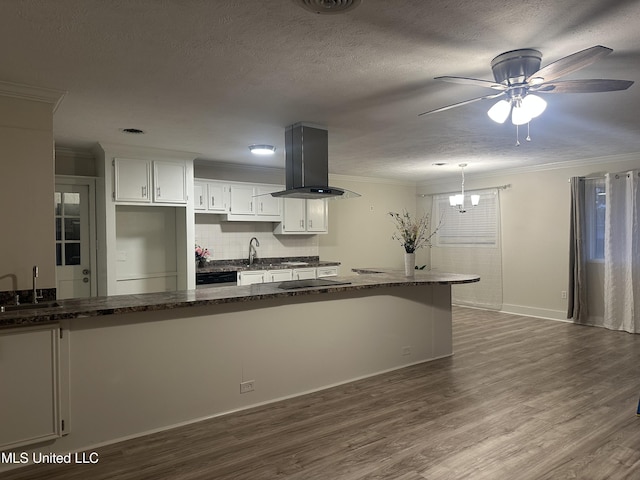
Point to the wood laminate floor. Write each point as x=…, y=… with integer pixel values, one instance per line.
x=522, y=398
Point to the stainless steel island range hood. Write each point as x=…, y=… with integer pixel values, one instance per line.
x=307, y=164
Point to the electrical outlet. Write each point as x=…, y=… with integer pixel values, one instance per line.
x=246, y=387
x=564, y=294
x=406, y=351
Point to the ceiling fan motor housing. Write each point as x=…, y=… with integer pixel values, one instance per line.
x=515, y=66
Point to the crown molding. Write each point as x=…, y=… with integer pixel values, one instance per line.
x=29, y=92
x=585, y=162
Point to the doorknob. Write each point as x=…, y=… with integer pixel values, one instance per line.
x=85, y=280
x=85, y=271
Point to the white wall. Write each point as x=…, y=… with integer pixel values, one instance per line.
x=360, y=229
x=26, y=193
x=535, y=230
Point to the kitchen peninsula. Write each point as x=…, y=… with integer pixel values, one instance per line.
x=134, y=364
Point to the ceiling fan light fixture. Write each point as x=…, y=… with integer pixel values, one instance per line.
x=500, y=111
x=520, y=115
x=534, y=105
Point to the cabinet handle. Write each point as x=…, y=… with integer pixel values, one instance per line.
x=302, y=223
x=310, y=223
x=261, y=207
x=158, y=191
x=251, y=206
x=144, y=191
x=213, y=201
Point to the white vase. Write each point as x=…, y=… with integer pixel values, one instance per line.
x=409, y=264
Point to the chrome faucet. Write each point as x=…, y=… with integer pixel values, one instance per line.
x=35, y=292
x=252, y=250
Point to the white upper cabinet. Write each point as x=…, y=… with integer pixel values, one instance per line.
x=146, y=181
x=132, y=180
x=242, y=201
x=253, y=203
x=199, y=196
x=317, y=216
x=218, y=197
x=300, y=216
x=170, y=182
x=265, y=203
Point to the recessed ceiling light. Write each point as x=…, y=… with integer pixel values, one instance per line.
x=262, y=149
x=439, y=164
x=133, y=131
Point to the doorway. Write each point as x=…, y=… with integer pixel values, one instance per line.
x=75, y=237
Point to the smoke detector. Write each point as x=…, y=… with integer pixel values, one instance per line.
x=328, y=7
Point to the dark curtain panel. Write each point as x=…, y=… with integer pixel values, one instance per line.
x=577, y=291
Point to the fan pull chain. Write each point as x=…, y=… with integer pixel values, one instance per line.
x=517, y=137
x=528, y=136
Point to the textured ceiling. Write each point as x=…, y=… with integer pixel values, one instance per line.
x=213, y=76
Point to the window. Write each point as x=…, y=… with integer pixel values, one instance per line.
x=595, y=208
x=478, y=226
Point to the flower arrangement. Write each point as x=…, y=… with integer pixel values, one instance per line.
x=412, y=234
x=201, y=254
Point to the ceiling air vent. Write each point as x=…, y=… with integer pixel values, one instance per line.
x=328, y=7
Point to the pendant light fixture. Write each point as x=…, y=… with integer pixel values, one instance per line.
x=458, y=200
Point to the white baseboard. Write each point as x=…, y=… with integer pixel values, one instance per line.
x=546, y=313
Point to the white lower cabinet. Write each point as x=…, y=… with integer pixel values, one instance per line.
x=278, y=275
x=34, y=385
x=327, y=271
x=250, y=277
x=304, y=273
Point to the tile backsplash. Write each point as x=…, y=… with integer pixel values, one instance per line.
x=230, y=240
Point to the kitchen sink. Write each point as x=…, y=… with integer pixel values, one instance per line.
x=28, y=306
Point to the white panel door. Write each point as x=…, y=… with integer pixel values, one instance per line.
x=74, y=272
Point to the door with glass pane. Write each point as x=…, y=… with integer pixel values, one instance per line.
x=73, y=252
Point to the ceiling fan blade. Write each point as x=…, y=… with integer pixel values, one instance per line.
x=570, y=63
x=583, y=86
x=459, y=104
x=472, y=81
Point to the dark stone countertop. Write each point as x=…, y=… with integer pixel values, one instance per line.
x=271, y=263
x=113, y=305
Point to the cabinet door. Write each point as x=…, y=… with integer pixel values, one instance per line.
x=279, y=275
x=170, y=182
x=30, y=394
x=304, y=273
x=317, y=215
x=251, y=277
x=218, y=197
x=242, y=201
x=327, y=271
x=266, y=204
x=293, y=215
x=132, y=180
x=200, y=196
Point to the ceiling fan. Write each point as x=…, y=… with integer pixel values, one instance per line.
x=518, y=77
